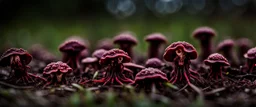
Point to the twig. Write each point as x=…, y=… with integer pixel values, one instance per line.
x=14, y=86
x=215, y=91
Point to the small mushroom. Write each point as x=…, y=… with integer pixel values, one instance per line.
x=126, y=41
x=56, y=73
x=113, y=60
x=18, y=60
x=251, y=60
x=155, y=41
x=149, y=77
x=154, y=63
x=204, y=35
x=105, y=44
x=180, y=53
x=243, y=44
x=98, y=53
x=135, y=68
x=71, y=50
x=226, y=49
x=216, y=62
x=40, y=53
x=91, y=63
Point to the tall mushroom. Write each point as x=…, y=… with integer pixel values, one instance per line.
x=56, y=73
x=180, y=53
x=126, y=41
x=155, y=41
x=204, y=35
x=226, y=49
x=251, y=60
x=18, y=60
x=71, y=50
x=243, y=44
x=149, y=77
x=113, y=60
x=217, y=62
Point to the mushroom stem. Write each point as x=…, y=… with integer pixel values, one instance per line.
x=153, y=50
x=182, y=72
x=206, y=48
x=250, y=64
x=216, y=72
x=127, y=48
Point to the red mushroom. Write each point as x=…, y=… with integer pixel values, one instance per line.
x=105, y=44
x=126, y=41
x=98, y=53
x=18, y=60
x=180, y=53
x=135, y=68
x=40, y=53
x=149, y=77
x=113, y=60
x=90, y=63
x=244, y=44
x=204, y=35
x=155, y=41
x=226, y=49
x=217, y=62
x=154, y=63
x=251, y=60
x=56, y=73
x=71, y=50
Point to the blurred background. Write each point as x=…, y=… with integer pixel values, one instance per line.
x=49, y=22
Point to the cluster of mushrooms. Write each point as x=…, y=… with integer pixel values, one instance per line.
x=179, y=64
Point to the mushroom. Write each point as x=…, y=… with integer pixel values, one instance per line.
x=154, y=63
x=126, y=41
x=226, y=48
x=71, y=50
x=204, y=35
x=18, y=60
x=243, y=44
x=180, y=53
x=216, y=62
x=251, y=60
x=40, y=53
x=135, y=68
x=98, y=53
x=113, y=60
x=149, y=77
x=155, y=41
x=56, y=73
x=105, y=44
x=90, y=63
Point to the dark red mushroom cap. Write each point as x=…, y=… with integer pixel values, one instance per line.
x=228, y=43
x=72, y=45
x=133, y=65
x=204, y=32
x=23, y=54
x=106, y=44
x=150, y=73
x=244, y=42
x=112, y=54
x=156, y=37
x=57, y=66
x=170, y=53
x=98, y=53
x=125, y=37
x=216, y=58
x=89, y=60
x=251, y=53
x=154, y=63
